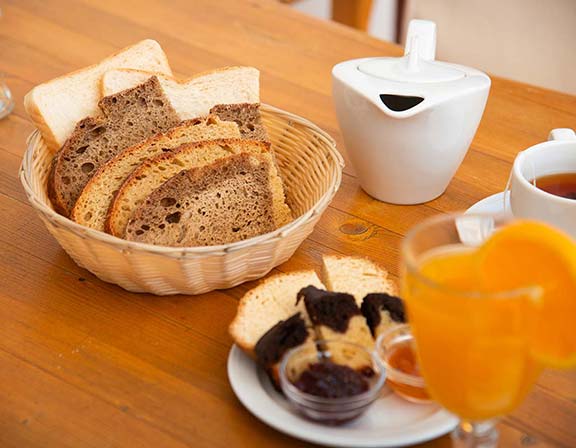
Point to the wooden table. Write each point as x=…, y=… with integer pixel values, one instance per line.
x=87, y=364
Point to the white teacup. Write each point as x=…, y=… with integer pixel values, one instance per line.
x=557, y=155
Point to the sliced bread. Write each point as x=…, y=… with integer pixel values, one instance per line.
x=357, y=276
x=223, y=202
x=246, y=116
x=195, y=96
x=129, y=117
x=272, y=301
x=154, y=172
x=93, y=203
x=57, y=105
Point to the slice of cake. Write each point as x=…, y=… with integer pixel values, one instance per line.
x=336, y=317
x=273, y=300
x=381, y=311
x=276, y=342
x=357, y=276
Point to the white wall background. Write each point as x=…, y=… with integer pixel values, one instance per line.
x=532, y=41
x=382, y=20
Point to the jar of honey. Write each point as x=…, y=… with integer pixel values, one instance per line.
x=395, y=347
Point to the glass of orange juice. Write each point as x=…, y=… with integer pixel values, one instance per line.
x=472, y=338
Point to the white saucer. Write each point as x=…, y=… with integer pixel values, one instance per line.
x=390, y=421
x=497, y=203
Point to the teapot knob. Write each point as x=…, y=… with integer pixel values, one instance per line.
x=421, y=40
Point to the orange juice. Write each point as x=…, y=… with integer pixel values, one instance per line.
x=473, y=349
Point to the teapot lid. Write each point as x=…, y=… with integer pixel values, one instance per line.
x=417, y=65
x=405, y=70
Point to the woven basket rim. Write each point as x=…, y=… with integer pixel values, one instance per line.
x=198, y=251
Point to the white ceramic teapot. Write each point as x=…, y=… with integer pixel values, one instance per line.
x=407, y=122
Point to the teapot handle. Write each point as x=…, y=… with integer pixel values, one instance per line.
x=421, y=38
x=562, y=134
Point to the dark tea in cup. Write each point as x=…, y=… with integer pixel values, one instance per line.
x=561, y=184
x=536, y=192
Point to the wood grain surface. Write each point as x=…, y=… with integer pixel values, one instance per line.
x=86, y=364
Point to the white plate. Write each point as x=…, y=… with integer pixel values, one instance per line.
x=390, y=421
x=497, y=203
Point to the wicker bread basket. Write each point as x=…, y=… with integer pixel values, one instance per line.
x=311, y=169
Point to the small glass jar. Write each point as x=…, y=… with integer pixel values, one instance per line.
x=331, y=411
x=6, y=100
x=395, y=348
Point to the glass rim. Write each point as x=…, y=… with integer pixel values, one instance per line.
x=399, y=375
x=410, y=263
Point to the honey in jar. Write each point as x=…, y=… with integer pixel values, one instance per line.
x=396, y=349
x=403, y=373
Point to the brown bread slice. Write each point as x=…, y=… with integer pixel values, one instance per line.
x=226, y=201
x=154, y=172
x=92, y=206
x=246, y=116
x=128, y=117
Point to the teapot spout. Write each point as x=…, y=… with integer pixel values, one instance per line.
x=400, y=103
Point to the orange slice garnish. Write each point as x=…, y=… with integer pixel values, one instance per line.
x=529, y=253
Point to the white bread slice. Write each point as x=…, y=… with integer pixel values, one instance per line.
x=93, y=203
x=273, y=300
x=355, y=275
x=57, y=105
x=194, y=96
